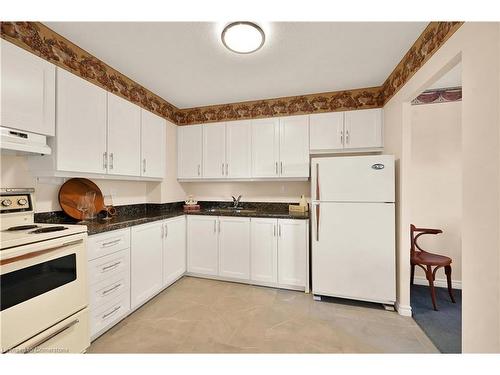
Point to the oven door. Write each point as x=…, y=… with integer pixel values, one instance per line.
x=41, y=284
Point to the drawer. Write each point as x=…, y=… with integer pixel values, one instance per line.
x=107, y=315
x=107, y=243
x=108, y=266
x=108, y=290
x=68, y=336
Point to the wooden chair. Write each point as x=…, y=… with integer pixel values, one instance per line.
x=426, y=260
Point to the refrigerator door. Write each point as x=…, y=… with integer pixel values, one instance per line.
x=353, y=251
x=353, y=179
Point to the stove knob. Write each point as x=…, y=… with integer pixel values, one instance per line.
x=22, y=202
x=6, y=202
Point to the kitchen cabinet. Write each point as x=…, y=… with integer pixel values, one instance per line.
x=174, y=249
x=189, y=151
x=292, y=253
x=238, y=149
x=234, y=247
x=294, y=146
x=202, y=245
x=81, y=125
x=214, y=150
x=153, y=143
x=264, y=250
x=363, y=129
x=348, y=131
x=326, y=131
x=28, y=89
x=124, y=137
x=265, y=147
x=146, y=261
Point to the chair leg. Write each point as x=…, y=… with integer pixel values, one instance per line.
x=447, y=271
x=412, y=274
x=430, y=278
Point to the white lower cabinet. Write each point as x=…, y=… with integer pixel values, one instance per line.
x=202, y=243
x=292, y=256
x=146, y=276
x=174, y=249
x=234, y=247
x=264, y=250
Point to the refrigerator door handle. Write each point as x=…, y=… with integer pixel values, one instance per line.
x=317, y=182
x=317, y=221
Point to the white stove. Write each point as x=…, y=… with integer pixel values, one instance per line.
x=43, y=280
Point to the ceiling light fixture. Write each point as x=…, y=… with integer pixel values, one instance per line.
x=243, y=37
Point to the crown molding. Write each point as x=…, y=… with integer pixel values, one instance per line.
x=38, y=39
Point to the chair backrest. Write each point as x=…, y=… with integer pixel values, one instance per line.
x=415, y=233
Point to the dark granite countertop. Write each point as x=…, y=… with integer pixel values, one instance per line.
x=131, y=215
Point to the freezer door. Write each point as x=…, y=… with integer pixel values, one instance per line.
x=353, y=251
x=353, y=179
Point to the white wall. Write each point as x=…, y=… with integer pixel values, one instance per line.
x=478, y=47
x=436, y=180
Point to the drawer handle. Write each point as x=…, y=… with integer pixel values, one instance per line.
x=52, y=335
x=107, y=291
x=111, y=312
x=111, y=243
x=111, y=266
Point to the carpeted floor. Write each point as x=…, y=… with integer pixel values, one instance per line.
x=443, y=327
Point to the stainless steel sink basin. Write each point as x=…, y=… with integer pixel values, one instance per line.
x=231, y=210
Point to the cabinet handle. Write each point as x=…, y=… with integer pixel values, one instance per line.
x=276, y=167
x=317, y=181
x=166, y=230
x=223, y=169
x=219, y=226
x=317, y=222
x=52, y=335
x=111, y=313
x=215, y=226
x=198, y=169
x=279, y=230
x=281, y=167
x=111, y=161
x=162, y=231
x=227, y=169
x=341, y=137
x=144, y=165
x=111, y=243
x=347, y=136
x=104, y=160
x=107, y=291
x=111, y=266
x=274, y=230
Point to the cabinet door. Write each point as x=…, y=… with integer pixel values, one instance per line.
x=202, y=237
x=124, y=137
x=238, y=149
x=363, y=129
x=214, y=150
x=189, y=151
x=28, y=91
x=146, y=262
x=153, y=143
x=264, y=250
x=265, y=147
x=234, y=247
x=81, y=125
x=174, y=250
x=292, y=252
x=326, y=131
x=294, y=146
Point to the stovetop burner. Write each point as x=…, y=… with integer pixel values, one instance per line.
x=22, y=227
x=49, y=229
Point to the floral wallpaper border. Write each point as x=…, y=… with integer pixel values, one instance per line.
x=444, y=95
x=45, y=43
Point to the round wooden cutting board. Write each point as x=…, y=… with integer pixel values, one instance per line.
x=73, y=190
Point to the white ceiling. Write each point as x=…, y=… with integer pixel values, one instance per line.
x=186, y=64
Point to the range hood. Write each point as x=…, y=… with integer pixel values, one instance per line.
x=22, y=142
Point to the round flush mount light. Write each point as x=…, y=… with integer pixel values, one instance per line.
x=243, y=37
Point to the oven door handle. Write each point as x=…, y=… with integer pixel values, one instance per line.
x=38, y=253
x=52, y=335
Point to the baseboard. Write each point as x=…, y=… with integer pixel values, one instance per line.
x=404, y=310
x=440, y=283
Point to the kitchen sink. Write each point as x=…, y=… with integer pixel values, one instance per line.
x=231, y=210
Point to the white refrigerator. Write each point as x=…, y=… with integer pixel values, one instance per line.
x=353, y=228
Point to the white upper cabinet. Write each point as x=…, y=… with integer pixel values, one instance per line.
x=292, y=252
x=234, y=247
x=294, y=146
x=326, y=131
x=363, y=129
x=124, y=137
x=265, y=147
x=214, y=150
x=264, y=250
x=238, y=149
x=189, y=151
x=28, y=91
x=81, y=125
x=153, y=144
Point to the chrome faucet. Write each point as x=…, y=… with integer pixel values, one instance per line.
x=236, y=202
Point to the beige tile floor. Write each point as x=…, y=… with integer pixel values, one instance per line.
x=207, y=316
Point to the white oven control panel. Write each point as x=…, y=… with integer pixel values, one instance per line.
x=15, y=201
